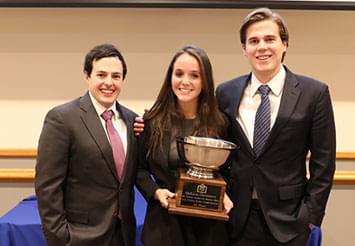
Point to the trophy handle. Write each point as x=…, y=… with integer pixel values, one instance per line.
x=180, y=148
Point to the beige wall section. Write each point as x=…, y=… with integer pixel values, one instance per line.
x=339, y=221
x=42, y=52
x=13, y=193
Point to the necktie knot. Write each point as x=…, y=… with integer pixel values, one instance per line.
x=107, y=115
x=264, y=90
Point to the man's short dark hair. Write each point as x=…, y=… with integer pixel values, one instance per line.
x=102, y=51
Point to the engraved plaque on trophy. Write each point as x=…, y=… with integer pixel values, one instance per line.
x=200, y=190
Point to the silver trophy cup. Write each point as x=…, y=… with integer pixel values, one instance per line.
x=203, y=155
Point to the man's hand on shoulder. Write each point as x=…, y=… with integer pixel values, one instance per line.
x=138, y=126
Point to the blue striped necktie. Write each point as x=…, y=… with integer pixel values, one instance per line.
x=262, y=121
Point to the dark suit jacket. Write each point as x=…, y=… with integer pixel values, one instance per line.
x=304, y=124
x=79, y=194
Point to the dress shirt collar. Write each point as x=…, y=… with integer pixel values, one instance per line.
x=276, y=83
x=100, y=109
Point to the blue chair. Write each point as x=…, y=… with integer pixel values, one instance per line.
x=315, y=237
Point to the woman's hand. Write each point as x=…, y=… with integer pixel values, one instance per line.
x=227, y=203
x=162, y=195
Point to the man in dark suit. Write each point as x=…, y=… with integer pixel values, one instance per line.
x=275, y=202
x=85, y=193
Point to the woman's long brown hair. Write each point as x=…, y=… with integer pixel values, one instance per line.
x=164, y=114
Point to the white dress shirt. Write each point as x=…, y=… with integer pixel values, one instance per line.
x=251, y=100
x=117, y=121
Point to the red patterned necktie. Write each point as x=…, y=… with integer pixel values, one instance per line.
x=116, y=142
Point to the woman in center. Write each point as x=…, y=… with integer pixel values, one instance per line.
x=185, y=106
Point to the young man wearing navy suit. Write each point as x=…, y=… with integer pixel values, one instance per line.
x=275, y=202
x=82, y=197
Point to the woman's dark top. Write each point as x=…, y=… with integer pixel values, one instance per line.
x=161, y=227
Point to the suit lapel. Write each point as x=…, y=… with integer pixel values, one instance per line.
x=93, y=124
x=130, y=137
x=234, y=96
x=289, y=100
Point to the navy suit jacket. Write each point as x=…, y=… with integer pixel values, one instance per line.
x=79, y=193
x=304, y=124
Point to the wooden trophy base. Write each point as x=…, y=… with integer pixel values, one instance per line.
x=197, y=197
